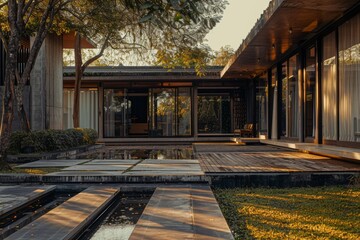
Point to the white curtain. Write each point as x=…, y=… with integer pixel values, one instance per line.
x=88, y=108
x=349, y=77
x=329, y=88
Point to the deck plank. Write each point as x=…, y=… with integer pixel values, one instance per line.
x=274, y=161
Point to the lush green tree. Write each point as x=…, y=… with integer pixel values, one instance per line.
x=222, y=57
x=127, y=25
x=19, y=20
x=171, y=28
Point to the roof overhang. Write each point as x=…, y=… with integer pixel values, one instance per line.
x=283, y=26
x=69, y=41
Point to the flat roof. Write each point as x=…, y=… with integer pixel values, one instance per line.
x=283, y=26
x=142, y=73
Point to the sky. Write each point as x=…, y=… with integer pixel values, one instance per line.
x=238, y=19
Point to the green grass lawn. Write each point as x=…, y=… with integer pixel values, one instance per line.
x=295, y=213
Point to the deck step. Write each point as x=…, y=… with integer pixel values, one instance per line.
x=241, y=140
x=69, y=218
x=189, y=212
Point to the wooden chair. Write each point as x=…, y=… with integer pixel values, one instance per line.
x=247, y=131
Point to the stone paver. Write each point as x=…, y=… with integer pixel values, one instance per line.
x=166, y=167
x=112, y=162
x=182, y=213
x=170, y=161
x=164, y=173
x=12, y=197
x=68, y=218
x=86, y=173
x=52, y=163
x=105, y=167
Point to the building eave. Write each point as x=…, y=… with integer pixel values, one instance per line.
x=283, y=26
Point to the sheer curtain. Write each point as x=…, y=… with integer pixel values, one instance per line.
x=349, y=77
x=329, y=87
x=88, y=109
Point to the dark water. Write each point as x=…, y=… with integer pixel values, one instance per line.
x=114, y=153
x=121, y=218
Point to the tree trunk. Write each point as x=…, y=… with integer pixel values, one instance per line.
x=8, y=98
x=78, y=76
x=24, y=120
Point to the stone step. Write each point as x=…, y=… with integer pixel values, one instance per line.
x=189, y=212
x=14, y=197
x=65, y=221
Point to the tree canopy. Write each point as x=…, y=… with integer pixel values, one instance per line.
x=128, y=25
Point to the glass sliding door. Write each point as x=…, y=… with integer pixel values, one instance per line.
x=162, y=112
x=170, y=112
x=284, y=100
x=349, y=79
x=138, y=110
x=116, y=113
x=262, y=100
x=293, y=97
x=214, y=114
x=184, y=112
x=329, y=87
x=310, y=92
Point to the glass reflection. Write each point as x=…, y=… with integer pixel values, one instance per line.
x=214, y=115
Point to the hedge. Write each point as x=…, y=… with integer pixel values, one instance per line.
x=50, y=140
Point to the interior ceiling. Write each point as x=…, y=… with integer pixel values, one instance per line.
x=278, y=32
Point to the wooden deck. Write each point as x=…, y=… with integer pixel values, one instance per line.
x=267, y=162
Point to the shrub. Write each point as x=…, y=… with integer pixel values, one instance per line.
x=51, y=140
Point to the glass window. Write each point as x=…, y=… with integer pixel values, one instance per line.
x=262, y=99
x=293, y=96
x=349, y=79
x=310, y=92
x=88, y=108
x=184, y=112
x=163, y=112
x=329, y=88
x=214, y=114
x=116, y=112
x=284, y=99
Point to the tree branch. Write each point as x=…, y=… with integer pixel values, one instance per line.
x=104, y=46
x=4, y=41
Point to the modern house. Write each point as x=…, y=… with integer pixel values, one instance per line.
x=295, y=77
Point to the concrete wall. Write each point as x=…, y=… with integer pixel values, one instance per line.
x=47, y=86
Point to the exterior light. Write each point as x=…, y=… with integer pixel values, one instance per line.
x=290, y=30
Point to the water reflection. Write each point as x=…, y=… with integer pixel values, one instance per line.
x=114, y=153
x=121, y=221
